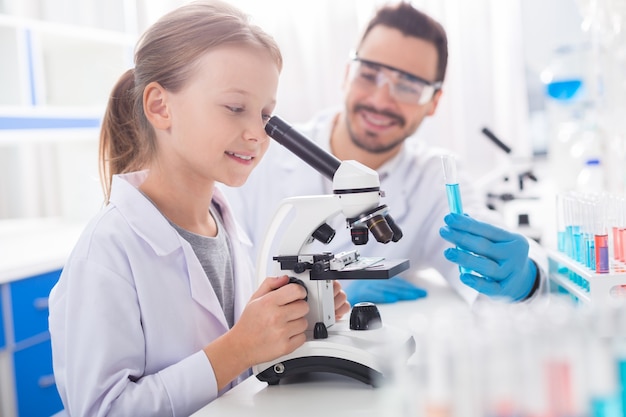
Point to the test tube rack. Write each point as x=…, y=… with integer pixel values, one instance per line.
x=584, y=284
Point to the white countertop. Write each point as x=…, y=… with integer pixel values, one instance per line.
x=326, y=394
x=33, y=246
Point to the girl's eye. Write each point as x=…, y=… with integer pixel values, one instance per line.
x=266, y=117
x=235, y=109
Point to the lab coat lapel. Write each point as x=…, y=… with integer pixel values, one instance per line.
x=201, y=289
x=153, y=227
x=245, y=283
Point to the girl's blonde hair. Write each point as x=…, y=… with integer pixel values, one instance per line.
x=167, y=54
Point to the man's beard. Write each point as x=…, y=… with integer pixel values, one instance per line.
x=373, y=147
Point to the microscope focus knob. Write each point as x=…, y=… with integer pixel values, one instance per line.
x=320, y=331
x=294, y=280
x=365, y=316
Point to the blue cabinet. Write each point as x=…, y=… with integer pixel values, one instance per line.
x=29, y=300
x=34, y=382
x=2, y=340
x=26, y=342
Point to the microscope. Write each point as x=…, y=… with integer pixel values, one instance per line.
x=508, y=189
x=362, y=348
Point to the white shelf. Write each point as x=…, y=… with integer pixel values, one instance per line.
x=13, y=83
x=60, y=60
x=50, y=64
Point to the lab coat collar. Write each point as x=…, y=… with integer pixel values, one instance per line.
x=136, y=208
x=386, y=169
x=148, y=222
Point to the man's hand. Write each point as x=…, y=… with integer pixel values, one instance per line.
x=383, y=291
x=499, y=257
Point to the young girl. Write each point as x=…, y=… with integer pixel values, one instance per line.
x=154, y=313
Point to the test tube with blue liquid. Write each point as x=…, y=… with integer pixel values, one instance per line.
x=453, y=191
x=588, y=210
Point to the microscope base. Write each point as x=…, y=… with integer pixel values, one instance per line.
x=366, y=355
x=309, y=364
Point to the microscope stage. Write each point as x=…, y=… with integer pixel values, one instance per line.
x=384, y=269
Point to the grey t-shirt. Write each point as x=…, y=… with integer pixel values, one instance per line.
x=215, y=257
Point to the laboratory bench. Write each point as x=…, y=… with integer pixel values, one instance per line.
x=329, y=394
x=529, y=359
x=32, y=254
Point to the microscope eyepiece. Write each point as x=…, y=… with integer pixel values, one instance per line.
x=301, y=146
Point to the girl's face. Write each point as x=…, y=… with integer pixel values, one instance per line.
x=217, y=128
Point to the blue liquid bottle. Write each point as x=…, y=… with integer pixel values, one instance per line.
x=453, y=191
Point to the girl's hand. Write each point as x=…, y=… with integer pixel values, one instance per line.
x=342, y=306
x=273, y=323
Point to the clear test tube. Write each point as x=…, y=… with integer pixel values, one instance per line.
x=619, y=350
x=622, y=228
x=601, y=237
x=453, y=192
x=569, y=235
x=569, y=204
x=579, y=253
x=587, y=231
x=617, y=224
x=611, y=223
x=563, y=360
x=603, y=375
x=561, y=230
x=560, y=223
x=438, y=369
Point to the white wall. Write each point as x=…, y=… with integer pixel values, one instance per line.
x=494, y=45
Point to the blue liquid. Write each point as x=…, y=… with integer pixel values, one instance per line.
x=590, y=253
x=579, y=251
x=621, y=364
x=570, y=247
x=563, y=90
x=454, y=198
x=454, y=204
x=606, y=407
x=561, y=241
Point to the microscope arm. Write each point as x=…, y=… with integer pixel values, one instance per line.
x=309, y=212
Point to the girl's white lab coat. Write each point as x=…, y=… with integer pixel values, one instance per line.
x=415, y=193
x=133, y=310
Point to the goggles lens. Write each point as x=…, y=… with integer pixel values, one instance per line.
x=403, y=86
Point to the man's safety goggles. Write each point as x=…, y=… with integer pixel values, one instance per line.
x=404, y=87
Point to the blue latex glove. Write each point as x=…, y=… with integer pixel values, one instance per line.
x=499, y=256
x=382, y=291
